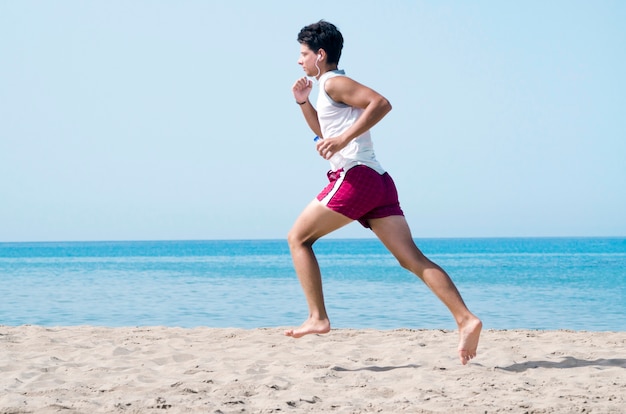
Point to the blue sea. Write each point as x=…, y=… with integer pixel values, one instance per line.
x=510, y=283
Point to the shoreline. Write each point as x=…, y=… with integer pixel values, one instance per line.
x=88, y=369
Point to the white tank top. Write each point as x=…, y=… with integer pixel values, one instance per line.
x=334, y=118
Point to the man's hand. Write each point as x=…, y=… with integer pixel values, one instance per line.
x=302, y=88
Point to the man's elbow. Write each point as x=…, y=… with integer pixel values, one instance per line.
x=385, y=105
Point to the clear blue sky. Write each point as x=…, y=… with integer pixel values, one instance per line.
x=140, y=120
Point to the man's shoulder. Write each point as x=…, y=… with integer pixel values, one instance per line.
x=338, y=81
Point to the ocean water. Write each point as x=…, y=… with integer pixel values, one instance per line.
x=510, y=283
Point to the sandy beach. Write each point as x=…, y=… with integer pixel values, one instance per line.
x=157, y=369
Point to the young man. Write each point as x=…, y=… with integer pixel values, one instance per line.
x=359, y=188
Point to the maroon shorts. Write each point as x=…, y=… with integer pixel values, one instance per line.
x=361, y=194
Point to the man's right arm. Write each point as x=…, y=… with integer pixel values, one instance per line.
x=301, y=90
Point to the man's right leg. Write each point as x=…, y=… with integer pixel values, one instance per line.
x=315, y=221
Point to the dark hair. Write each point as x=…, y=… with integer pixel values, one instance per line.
x=323, y=35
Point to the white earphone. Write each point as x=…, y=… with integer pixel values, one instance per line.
x=319, y=56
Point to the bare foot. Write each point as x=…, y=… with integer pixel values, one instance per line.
x=469, y=333
x=310, y=326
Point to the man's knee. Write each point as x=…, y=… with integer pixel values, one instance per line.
x=296, y=239
x=292, y=237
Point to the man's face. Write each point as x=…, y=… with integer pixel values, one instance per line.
x=307, y=60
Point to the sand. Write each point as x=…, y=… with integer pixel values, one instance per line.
x=204, y=370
